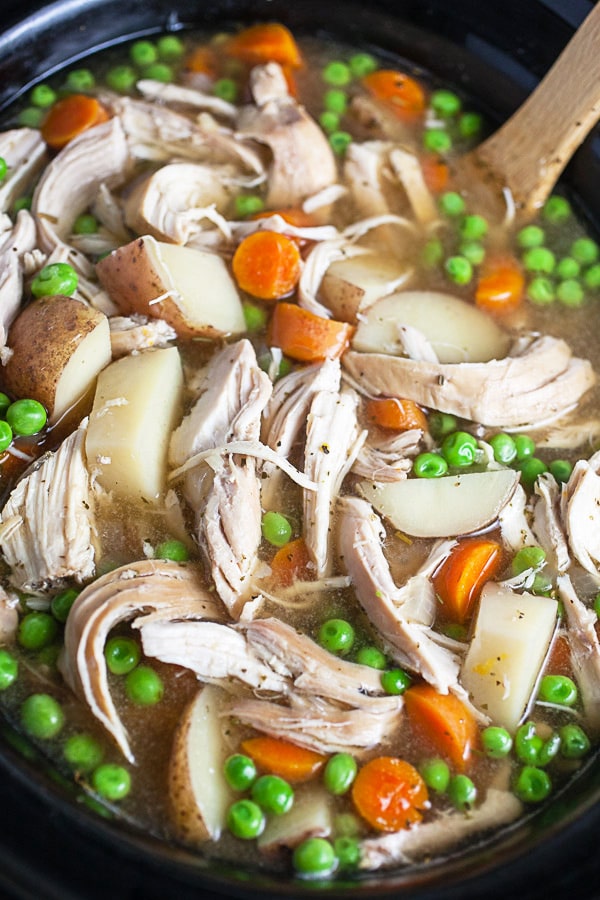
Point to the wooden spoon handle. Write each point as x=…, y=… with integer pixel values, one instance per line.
x=532, y=148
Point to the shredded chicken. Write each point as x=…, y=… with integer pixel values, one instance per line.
x=130, y=334
x=580, y=510
x=584, y=648
x=14, y=244
x=24, y=151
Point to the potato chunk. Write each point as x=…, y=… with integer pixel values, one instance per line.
x=353, y=284
x=59, y=345
x=137, y=402
x=510, y=642
x=190, y=289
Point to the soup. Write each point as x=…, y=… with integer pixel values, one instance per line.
x=299, y=481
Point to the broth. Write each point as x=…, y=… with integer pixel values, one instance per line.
x=365, y=634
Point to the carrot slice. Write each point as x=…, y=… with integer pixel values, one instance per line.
x=435, y=172
x=291, y=563
x=399, y=91
x=395, y=414
x=204, y=60
x=443, y=721
x=71, y=116
x=501, y=285
x=459, y=580
x=267, y=264
x=559, y=660
x=264, y=42
x=295, y=764
x=306, y=337
x=389, y=793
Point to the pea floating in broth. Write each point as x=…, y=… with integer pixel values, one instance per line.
x=320, y=516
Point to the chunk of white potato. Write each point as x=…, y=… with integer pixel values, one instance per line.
x=510, y=642
x=442, y=507
x=458, y=331
x=59, y=345
x=351, y=285
x=136, y=406
x=310, y=816
x=198, y=792
x=190, y=289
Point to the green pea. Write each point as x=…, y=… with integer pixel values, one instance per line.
x=570, y=292
x=273, y=794
x=26, y=417
x=339, y=773
x=170, y=47
x=432, y=253
x=542, y=585
x=445, y=103
x=585, y=251
x=347, y=824
x=441, y=424
x=528, y=743
x=462, y=793
x=144, y=686
x=574, y=742
x=561, y=470
x=540, y=290
x=459, y=269
x=121, y=78
x=597, y=605
x=451, y=204
x=474, y=251
x=83, y=752
x=347, y=851
x=567, y=267
x=22, y=203
x=329, y=121
x=122, y=655
x=143, y=53
x=5, y=402
x=314, y=858
x=591, y=277
x=395, y=681
x=460, y=449
x=246, y=820
x=335, y=101
x=339, y=141
x=530, y=470
x=429, y=465
x=56, y=278
x=61, y=604
x=469, y=124
x=473, y=228
x=437, y=140
x=43, y=96
x=159, y=71
x=435, y=774
x=111, y=781
x=531, y=236
x=79, y=80
x=456, y=631
x=525, y=446
x=240, y=771
x=226, y=89
x=173, y=550
x=42, y=716
x=362, y=64
x=6, y=436
x=265, y=361
x=558, y=689
x=31, y=117
x=248, y=205
x=504, y=447
x=3, y=168
x=85, y=224
x=336, y=73
x=539, y=259
x=372, y=657
x=9, y=669
x=532, y=785
x=337, y=636
x=549, y=750
x=496, y=741
x=255, y=317
x=276, y=529
x=531, y=557
x=556, y=210
x=36, y=630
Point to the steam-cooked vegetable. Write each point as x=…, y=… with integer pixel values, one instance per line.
x=447, y=723
x=59, y=346
x=351, y=285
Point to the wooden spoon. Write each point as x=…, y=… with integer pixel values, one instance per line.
x=528, y=153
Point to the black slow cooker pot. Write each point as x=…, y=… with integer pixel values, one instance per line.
x=50, y=845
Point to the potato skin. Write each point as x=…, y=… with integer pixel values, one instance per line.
x=43, y=338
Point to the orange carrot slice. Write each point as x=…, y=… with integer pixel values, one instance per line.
x=203, y=60
x=435, y=172
x=291, y=563
x=501, y=285
x=306, y=337
x=389, y=794
x=399, y=91
x=278, y=757
x=395, y=414
x=71, y=116
x=444, y=721
x=459, y=580
x=264, y=42
x=267, y=265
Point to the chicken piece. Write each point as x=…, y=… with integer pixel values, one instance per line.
x=402, y=616
x=130, y=334
x=178, y=95
x=14, y=244
x=514, y=523
x=580, y=510
x=47, y=523
x=71, y=182
x=320, y=725
x=9, y=616
x=389, y=459
x=332, y=442
x=303, y=162
x=546, y=522
x=148, y=590
x=24, y=151
x=537, y=384
x=363, y=173
x=584, y=647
